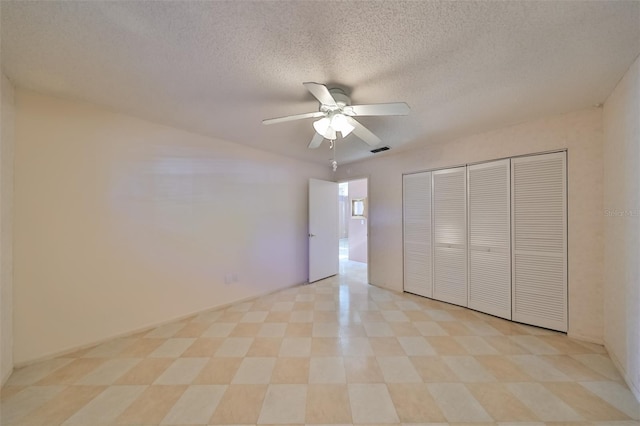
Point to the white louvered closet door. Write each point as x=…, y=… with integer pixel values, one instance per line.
x=416, y=210
x=490, y=237
x=539, y=219
x=450, y=235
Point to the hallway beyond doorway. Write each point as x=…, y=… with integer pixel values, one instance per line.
x=351, y=270
x=353, y=225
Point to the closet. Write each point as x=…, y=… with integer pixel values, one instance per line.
x=539, y=255
x=491, y=237
x=417, y=234
x=450, y=236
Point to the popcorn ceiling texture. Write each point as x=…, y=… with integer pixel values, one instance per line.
x=219, y=68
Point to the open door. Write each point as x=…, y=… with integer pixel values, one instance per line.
x=323, y=229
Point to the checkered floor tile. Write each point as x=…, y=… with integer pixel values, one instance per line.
x=335, y=352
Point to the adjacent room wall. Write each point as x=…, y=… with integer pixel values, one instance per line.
x=580, y=132
x=6, y=221
x=121, y=224
x=344, y=216
x=357, y=227
x=622, y=226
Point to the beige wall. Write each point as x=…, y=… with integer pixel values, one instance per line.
x=6, y=220
x=122, y=224
x=622, y=226
x=579, y=132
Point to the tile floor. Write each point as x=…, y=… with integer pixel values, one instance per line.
x=335, y=352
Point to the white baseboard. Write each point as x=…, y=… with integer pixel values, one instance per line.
x=5, y=377
x=635, y=389
x=148, y=327
x=583, y=338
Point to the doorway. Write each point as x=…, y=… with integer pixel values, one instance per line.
x=353, y=227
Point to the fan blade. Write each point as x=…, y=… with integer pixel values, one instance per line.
x=321, y=93
x=363, y=133
x=316, y=141
x=293, y=117
x=395, y=108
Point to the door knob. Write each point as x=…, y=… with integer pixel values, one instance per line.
x=312, y=235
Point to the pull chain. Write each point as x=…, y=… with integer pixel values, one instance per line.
x=332, y=146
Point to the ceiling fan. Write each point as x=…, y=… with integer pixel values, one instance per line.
x=336, y=115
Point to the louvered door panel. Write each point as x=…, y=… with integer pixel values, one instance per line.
x=490, y=238
x=539, y=239
x=450, y=280
x=450, y=235
x=418, y=270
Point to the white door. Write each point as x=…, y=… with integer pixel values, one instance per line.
x=539, y=220
x=450, y=235
x=489, y=210
x=323, y=229
x=416, y=210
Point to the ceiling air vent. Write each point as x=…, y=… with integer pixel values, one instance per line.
x=377, y=150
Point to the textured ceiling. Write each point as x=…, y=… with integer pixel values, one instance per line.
x=219, y=68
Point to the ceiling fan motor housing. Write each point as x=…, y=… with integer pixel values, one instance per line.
x=341, y=98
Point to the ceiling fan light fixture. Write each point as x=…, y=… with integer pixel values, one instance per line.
x=322, y=125
x=330, y=134
x=346, y=130
x=325, y=128
x=340, y=124
x=338, y=121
